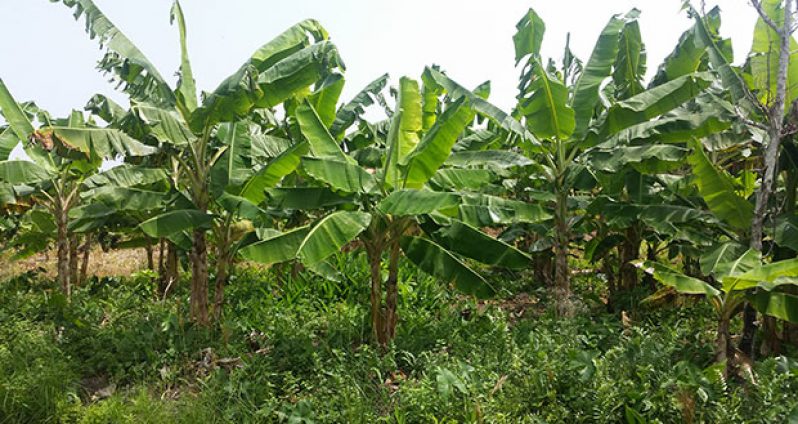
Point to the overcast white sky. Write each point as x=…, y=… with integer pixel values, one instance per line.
x=46, y=56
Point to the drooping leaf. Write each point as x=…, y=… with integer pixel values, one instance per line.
x=137, y=75
x=342, y=176
x=174, y=222
x=655, y=102
x=22, y=172
x=331, y=234
x=468, y=241
x=718, y=191
x=438, y=262
x=417, y=202
x=277, y=248
x=780, y=305
x=321, y=142
x=678, y=281
x=273, y=172
x=16, y=118
x=305, y=198
x=718, y=261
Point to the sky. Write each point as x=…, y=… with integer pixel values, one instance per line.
x=46, y=56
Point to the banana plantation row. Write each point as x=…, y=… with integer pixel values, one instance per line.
x=685, y=184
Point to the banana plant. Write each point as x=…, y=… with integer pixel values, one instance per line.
x=63, y=153
x=742, y=278
x=389, y=203
x=279, y=70
x=569, y=119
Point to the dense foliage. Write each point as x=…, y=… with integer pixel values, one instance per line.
x=611, y=249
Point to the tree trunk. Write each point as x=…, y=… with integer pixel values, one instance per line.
x=150, y=257
x=629, y=252
x=771, y=344
x=391, y=293
x=651, y=255
x=223, y=262
x=775, y=123
x=63, y=252
x=171, y=269
x=73, y=260
x=724, y=351
x=543, y=268
x=746, y=345
x=562, y=283
x=199, y=279
x=84, y=266
x=374, y=254
x=611, y=284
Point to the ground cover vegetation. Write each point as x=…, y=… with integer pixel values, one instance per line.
x=612, y=249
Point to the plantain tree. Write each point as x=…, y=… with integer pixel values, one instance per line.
x=571, y=109
x=63, y=153
x=187, y=128
x=382, y=192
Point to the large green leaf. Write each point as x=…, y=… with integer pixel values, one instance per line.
x=492, y=158
x=417, y=202
x=437, y=144
x=410, y=125
x=8, y=141
x=186, y=92
x=687, y=57
x=22, y=172
x=325, y=99
x=100, y=142
x=130, y=199
x=275, y=73
x=546, y=105
x=482, y=211
x=472, y=243
x=786, y=234
x=331, y=234
x=462, y=179
x=16, y=118
x=596, y=71
x=438, y=262
x=721, y=60
x=125, y=175
x=322, y=144
x=655, y=102
x=305, y=198
x=136, y=74
x=630, y=65
x=529, y=35
x=339, y=175
x=764, y=275
x=280, y=248
x=174, y=222
x=482, y=106
x=719, y=261
x=271, y=174
x=718, y=191
x=678, y=281
x=164, y=125
x=780, y=305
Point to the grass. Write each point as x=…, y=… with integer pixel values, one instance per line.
x=297, y=350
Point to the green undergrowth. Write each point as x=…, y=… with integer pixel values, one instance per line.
x=295, y=348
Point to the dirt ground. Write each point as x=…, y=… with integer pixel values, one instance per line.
x=101, y=264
